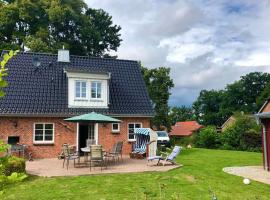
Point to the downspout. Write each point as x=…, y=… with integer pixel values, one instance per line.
x=266, y=167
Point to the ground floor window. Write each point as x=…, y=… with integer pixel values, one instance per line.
x=115, y=127
x=43, y=132
x=131, y=127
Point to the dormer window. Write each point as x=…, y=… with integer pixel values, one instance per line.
x=95, y=90
x=88, y=90
x=80, y=89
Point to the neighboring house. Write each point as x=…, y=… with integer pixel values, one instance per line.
x=44, y=89
x=229, y=122
x=185, y=129
x=263, y=117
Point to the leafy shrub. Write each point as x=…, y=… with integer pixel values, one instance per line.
x=16, y=177
x=243, y=135
x=252, y=140
x=187, y=140
x=3, y=147
x=11, y=164
x=175, y=141
x=207, y=138
x=13, y=178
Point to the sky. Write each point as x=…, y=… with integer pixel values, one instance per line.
x=206, y=43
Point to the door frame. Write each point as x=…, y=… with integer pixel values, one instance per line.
x=78, y=134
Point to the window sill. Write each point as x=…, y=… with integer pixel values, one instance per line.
x=115, y=132
x=131, y=141
x=96, y=100
x=80, y=99
x=43, y=144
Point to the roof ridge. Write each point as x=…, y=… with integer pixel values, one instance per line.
x=77, y=56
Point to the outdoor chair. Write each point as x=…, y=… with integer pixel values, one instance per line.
x=111, y=153
x=90, y=142
x=116, y=152
x=170, y=158
x=96, y=156
x=140, y=146
x=68, y=155
x=119, y=149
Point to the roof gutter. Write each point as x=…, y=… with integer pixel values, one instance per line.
x=70, y=115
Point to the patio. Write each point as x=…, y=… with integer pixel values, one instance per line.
x=256, y=173
x=53, y=167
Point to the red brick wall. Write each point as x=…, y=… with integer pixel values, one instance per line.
x=107, y=138
x=64, y=132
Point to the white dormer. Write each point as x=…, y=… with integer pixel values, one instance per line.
x=88, y=90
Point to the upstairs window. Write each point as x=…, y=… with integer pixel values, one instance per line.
x=88, y=90
x=96, y=90
x=80, y=89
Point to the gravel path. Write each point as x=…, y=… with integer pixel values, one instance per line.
x=256, y=173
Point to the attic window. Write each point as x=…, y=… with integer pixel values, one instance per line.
x=96, y=90
x=80, y=89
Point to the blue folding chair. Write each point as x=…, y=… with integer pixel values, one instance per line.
x=170, y=158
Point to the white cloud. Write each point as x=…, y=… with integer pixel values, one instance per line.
x=256, y=59
x=207, y=44
x=190, y=45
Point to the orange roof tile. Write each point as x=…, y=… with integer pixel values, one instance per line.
x=185, y=128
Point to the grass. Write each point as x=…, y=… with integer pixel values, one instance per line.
x=202, y=173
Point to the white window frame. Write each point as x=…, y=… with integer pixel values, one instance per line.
x=96, y=98
x=86, y=89
x=116, y=130
x=132, y=140
x=43, y=141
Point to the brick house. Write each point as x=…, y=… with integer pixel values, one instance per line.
x=184, y=129
x=44, y=89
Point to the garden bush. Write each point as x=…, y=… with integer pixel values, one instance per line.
x=244, y=135
x=13, y=178
x=10, y=164
x=3, y=148
x=174, y=141
x=189, y=140
x=207, y=138
x=12, y=169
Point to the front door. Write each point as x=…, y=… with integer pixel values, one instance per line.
x=86, y=131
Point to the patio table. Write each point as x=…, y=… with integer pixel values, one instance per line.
x=86, y=152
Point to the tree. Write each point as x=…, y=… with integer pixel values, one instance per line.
x=3, y=70
x=265, y=94
x=159, y=83
x=46, y=26
x=214, y=107
x=182, y=113
x=208, y=110
x=241, y=95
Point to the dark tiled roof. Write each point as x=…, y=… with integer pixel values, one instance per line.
x=44, y=90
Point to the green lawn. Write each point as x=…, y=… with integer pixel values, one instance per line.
x=201, y=173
